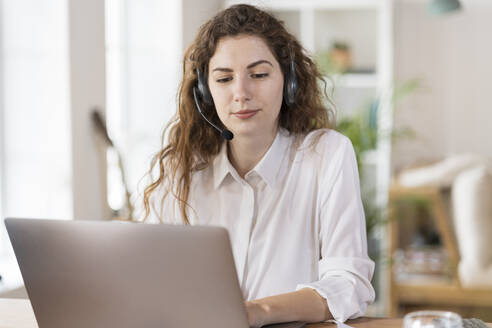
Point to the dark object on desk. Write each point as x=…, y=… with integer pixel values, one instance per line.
x=474, y=323
x=292, y=325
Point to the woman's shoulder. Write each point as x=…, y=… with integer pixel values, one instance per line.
x=326, y=142
x=325, y=153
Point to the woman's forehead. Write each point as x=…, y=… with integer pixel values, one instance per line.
x=239, y=51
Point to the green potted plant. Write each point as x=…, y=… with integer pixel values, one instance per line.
x=362, y=130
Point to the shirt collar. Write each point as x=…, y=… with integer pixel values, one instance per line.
x=267, y=168
x=221, y=166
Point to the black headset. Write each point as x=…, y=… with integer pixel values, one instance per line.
x=203, y=92
x=290, y=86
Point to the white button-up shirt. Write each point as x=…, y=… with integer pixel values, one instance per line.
x=296, y=220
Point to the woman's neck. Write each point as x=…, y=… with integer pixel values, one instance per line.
x=245, y=152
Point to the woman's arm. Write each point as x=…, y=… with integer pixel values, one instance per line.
x=303, y=305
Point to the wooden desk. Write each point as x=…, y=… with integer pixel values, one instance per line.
x=17, y=313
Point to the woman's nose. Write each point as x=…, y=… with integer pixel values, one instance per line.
x=242, y=89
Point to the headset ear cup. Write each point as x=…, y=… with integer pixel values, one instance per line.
x=290, y=86
x=203, y=89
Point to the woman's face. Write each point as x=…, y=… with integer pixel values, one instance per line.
x=246, y=83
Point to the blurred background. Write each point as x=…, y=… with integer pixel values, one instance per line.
x=87, y=86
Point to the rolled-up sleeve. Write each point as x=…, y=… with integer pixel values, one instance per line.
x=345, y=270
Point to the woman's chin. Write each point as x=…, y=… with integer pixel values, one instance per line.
x=253, y=131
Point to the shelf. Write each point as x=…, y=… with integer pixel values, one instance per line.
x=307, y=4
x=355, y=80
x=430, y=292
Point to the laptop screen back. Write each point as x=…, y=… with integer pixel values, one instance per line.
x=106, y=274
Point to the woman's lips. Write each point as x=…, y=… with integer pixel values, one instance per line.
x=244, y=114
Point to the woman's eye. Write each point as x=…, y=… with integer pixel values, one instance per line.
x=259, y=75
x=223, y=80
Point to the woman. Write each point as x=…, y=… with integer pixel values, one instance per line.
x=275, y=175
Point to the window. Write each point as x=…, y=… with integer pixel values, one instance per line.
x=143, y=55
x=35, y=165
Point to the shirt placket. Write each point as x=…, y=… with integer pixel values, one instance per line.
x=247, y=216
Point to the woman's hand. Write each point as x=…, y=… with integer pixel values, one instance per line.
x=256, y=314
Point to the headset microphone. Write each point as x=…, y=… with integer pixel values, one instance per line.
x=226, y=134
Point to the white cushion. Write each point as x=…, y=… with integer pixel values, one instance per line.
x=472, y=209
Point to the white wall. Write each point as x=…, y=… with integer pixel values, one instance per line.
x=34, y=106
x=452, y=55
x=143, y=55
x=195, y=13
x=87, y=90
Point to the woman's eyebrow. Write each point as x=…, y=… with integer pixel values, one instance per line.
x=258, y=62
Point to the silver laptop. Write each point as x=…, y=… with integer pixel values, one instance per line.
x=109, y=274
